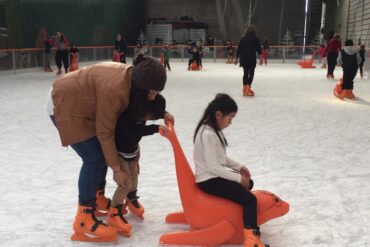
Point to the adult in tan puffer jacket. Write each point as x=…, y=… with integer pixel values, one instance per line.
x=85, y=105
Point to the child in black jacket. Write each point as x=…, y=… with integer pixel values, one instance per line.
x=349, y=59
x=128, y=134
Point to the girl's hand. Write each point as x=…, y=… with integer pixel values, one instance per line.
x=245, y=172
x=168, y=117
x=245, y=182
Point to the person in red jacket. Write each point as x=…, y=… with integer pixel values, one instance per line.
x=332, y=50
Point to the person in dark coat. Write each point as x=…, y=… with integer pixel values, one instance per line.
x=121, y=46
x=248, y=46
x=349, y=59
x=362, y=52
x=61, y=54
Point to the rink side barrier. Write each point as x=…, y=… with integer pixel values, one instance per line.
x=15, y=59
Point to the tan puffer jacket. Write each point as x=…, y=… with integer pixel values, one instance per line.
x=87, y=103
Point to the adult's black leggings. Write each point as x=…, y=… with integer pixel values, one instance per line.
x=360, y=66
x=123, y=58
x=62, y=56
x=332, y=61
x=235, y=192
x=248, y=73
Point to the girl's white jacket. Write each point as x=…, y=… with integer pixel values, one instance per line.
x=210, y=157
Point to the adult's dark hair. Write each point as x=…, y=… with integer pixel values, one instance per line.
x=223, y=103
x=139, y=105
x=349, y=42
x=251, y=30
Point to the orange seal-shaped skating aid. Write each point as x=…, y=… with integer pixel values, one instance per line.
x=212, y=220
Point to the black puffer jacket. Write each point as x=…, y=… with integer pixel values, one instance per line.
x=248, y=46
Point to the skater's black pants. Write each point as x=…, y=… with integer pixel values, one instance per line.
x=248, y=73
x=332, y=61
x=190, y=62
x=235, y=192
x=167, y=64
x=348, y=75
x=361, y=65
x=123, y=59
x=62, y=56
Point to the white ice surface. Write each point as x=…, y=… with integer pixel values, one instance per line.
x=298, y=140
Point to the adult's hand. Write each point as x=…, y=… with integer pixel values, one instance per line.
x=169, y=117
x=120, y=178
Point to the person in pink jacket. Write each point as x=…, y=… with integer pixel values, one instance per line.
x=84, y=106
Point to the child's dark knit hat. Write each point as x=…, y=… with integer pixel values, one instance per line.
x=148, y=73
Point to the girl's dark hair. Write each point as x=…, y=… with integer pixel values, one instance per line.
x=223, y=103
x=349, y=42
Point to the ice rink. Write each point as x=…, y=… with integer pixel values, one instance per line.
x=296, y=138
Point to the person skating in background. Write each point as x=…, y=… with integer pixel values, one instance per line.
x=217, y=174
x=200, y=50
x=362, y=52
x=61, y=54
x=322, y=55
x=129, y=132
x=122, y=47
x=265, y=49
x=73, y=58
x=349, y=59
x=230, y=51
x=48, y=44
x=166, y=57
x=196, y=56
x=331, y=51
x=248, y=46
